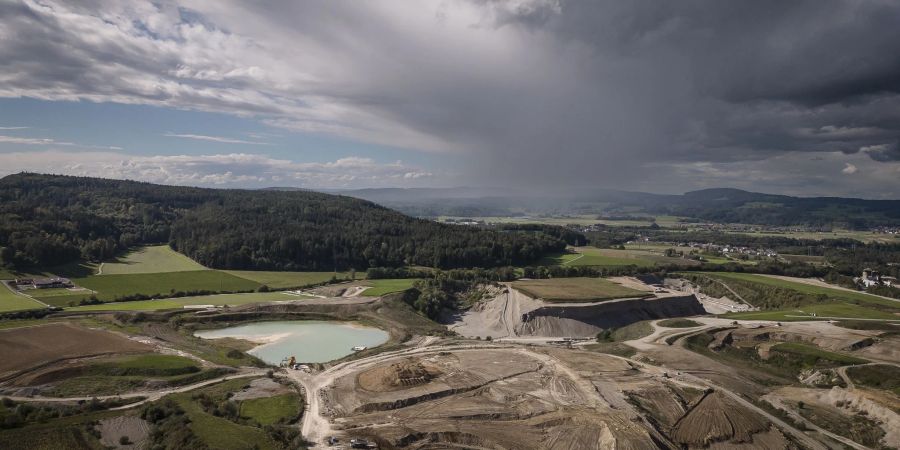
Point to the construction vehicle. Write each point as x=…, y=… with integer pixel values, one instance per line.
x=288, y=362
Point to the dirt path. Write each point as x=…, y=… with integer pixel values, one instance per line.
x=842, y=372
x=580, y=255
x=776, y=402
x=315, y=426
x=736, y=295
x=150, y=395
x=651, y=342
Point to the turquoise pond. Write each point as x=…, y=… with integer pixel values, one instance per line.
x=309, y=341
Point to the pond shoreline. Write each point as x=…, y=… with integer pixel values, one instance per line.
x=308, y=340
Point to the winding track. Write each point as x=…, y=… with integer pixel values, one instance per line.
x=150, y=395
x=315, y=427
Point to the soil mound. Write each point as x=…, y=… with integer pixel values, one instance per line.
x=715, y=419
x=400, y=375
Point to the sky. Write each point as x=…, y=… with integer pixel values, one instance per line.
x=794, y=97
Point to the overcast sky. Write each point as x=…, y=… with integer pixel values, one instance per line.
x=796, y=97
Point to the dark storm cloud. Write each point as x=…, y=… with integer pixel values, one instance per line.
x=884, y=152
x=637, y=94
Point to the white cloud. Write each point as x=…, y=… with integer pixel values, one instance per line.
x=220, y=139
x=13, y=128
x=849, y=169
x=221, y=170
x=50, y=142
x=527, y=92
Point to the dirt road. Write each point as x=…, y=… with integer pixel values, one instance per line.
x=654, y=340
x=150, y=395
x=316, y=427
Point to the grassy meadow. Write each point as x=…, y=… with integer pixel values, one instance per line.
x=576, y=289
x=271, y=410
x=284, y=280
x=387, y=286
x=10, y=302
x=604, y=257
x=151, y=259
x=799, y=286
x=177, y=303
x=219, y=432
x=112, y=287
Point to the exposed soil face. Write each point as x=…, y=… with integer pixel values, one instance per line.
x=715, y=418
x=134, y=428
x=514, y=314
x=22, y=349
x=261, y=388
x=399, y=375
x=825, y=336
x=860, y=414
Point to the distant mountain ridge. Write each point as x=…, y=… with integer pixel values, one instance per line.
x=723, y=205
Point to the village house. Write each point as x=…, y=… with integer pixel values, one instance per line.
x=45, y=283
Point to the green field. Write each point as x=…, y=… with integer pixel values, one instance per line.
x=271, y=410
x=152, y=259
x=10, y=301
x=592, y=256
x=218, y=432
x=588, y=219
x=387, y=286
x=678, y=323
x=838, y=294
x=117, y=375
x=175, y=303
x=813, y=356
x=863, y=236
x=822, y=311
x=562, y=220
x=112, y=287
x=59, y=433
x=603, y=257
x=576, y=289
x=284, y=280
x=153, y=363
x=632, y=331
x=879, y=376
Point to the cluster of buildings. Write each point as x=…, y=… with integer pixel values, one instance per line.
x=44, y=283
x=887, y=230
x=729, y=249
x=871, y=278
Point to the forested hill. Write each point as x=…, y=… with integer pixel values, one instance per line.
x=47, y=220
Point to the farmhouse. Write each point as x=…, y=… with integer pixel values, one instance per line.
x=47, y=283
x=871, y=278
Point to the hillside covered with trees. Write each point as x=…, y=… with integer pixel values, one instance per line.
x=48, y=220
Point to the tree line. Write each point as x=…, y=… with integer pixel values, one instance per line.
x=48, y=220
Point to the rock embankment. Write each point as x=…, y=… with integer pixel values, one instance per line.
x=587, y=320
x=514, y=314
